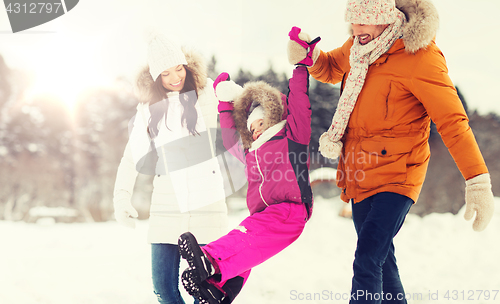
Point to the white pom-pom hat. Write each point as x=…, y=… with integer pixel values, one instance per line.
x=257, y=113
x=371, y=12
x=163, y=53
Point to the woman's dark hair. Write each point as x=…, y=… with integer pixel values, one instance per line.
x=188, y=97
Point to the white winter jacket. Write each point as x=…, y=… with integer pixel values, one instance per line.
x=181, y=188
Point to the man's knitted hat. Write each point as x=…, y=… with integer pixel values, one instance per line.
x=371, y=12
x=163, y=53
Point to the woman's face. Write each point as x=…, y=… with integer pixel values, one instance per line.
x=173, y=78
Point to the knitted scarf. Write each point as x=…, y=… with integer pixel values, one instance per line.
x=330, y=144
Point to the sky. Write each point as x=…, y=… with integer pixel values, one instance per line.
x=98, y=41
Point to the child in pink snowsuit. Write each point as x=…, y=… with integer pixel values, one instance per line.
x=275, y=131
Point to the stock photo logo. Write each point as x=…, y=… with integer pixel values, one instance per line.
x=24, y=15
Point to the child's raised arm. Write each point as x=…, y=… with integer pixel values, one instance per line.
x=226, y=91
x=301, y=52
x=299, y=108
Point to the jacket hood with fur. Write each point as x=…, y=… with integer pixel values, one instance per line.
x=195, y=63
x=270, y=98
x=422, y=23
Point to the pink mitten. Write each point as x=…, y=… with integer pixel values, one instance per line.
x=222, y=77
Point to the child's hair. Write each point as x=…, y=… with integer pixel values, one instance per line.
x=190, y=115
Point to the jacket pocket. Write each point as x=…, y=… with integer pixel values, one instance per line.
x=383, y=162
x=389, y=102
x=377, y=105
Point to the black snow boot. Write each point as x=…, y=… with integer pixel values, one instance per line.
x=200, y=265
x=205, y=292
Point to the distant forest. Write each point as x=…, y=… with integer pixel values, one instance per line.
x=52, y=158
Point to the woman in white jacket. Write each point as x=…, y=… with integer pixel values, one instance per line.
x=172, y=136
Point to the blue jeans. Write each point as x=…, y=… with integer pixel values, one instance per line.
x=165, y=260
x=377, y=220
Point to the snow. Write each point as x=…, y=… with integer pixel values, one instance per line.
x=323, y=174
x=52, y=211
x=107, y=263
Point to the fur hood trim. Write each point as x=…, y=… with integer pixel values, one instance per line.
x=422, y=23
x=262, y=93
x=195, y=63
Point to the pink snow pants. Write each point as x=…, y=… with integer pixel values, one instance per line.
x=259, y=237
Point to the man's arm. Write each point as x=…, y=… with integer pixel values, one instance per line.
x=331, y=66
x=435, y=90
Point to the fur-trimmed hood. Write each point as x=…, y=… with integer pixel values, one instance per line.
x=195, y=63
x=270, y=98
x=422, y=23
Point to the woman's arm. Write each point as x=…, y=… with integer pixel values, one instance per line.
x=126, y=176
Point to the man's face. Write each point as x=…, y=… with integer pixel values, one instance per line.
x=367, y=33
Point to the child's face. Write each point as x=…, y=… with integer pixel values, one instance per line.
x=256, y=128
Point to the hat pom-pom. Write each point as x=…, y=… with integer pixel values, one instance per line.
x=329, y=148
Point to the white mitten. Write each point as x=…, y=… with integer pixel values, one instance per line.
x=479, y=199
x=227, y=90
x=125, y=213
x=301, y=48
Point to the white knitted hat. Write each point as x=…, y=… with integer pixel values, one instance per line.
x=163, y=53
x=257, y=113
x=371, y=12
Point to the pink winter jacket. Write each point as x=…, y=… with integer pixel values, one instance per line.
x=277, y=163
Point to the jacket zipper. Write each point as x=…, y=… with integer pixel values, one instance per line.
x=387, y=104
x=262, y=176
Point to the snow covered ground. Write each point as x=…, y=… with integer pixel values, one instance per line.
x=441, y=261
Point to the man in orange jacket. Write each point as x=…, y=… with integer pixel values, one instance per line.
x=394, y=81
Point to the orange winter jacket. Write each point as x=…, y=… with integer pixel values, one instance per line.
x=386, y=141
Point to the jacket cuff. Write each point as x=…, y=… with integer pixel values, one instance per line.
x=225, y=106
x=316, y=67
x=480, y=179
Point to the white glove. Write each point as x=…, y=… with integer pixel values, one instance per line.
x=228, y=90
x=479, y=199
x=298, y=52
x=125, y=213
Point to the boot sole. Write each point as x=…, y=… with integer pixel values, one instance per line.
x=198, y=290
x=192, y=253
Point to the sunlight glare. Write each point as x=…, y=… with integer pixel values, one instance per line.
x=65, y=70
